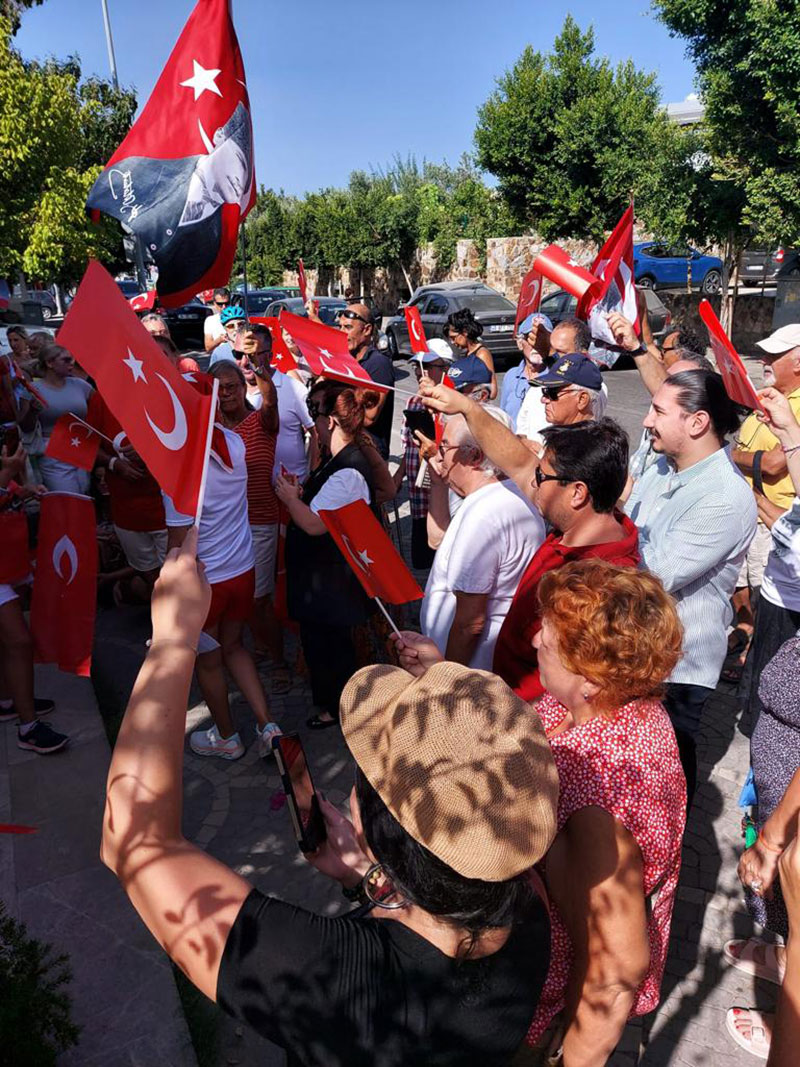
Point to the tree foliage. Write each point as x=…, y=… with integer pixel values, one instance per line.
x=55, y=134
x=568, y=136
x=12, y=10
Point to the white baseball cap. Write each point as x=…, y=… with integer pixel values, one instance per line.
x=784, y=339
x=437, y=349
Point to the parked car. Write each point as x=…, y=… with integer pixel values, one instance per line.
x=758, y=266
x=128, y=287
x=329, y=308
x=259, y=299
x=43, y=297
x=186, y=323
x=437, y=301
x=560, y=305
x=657, y=265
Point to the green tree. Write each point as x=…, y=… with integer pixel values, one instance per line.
x=12, y=10
x=568, y=136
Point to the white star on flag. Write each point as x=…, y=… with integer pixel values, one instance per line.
x=135, y=366
x=75, y=442
x=572, y=262
x=364, y=557
x=202, y=80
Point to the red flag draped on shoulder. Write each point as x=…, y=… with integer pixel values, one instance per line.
x=530, y=296
x=416, y=334
x=165, y=417
x=183, y=179
x=65, y=589
x=375, y=561
x=737, y=381
x=73, y=441
x=326, y=352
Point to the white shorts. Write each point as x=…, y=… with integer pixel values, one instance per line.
x=265, y=545
x=7, y=594
x=144, y=550
x=755, y=562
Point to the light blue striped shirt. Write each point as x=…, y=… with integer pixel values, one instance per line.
x=695, y=527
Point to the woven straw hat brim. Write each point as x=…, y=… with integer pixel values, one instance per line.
x=461, y=762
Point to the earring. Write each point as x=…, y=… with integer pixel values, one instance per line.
x=379, y=889
x=585, y=695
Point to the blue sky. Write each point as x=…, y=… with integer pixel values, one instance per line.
x=347, y=85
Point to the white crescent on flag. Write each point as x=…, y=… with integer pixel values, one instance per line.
x=64, y=547
x=361, y=559
x=531, y=292
x=176, y=438
x=414, y=330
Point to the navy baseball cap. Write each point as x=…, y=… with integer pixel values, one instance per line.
x=575, y=369
x=469, y=371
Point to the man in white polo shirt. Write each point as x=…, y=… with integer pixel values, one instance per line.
x=486, y=547
x=214, y=333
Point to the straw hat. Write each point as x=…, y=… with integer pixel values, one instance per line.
x=460, y=761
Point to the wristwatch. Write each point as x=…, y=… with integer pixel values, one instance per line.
x=640, y=351
x=356, y=895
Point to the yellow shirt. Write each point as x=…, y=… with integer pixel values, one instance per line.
x=755, y=436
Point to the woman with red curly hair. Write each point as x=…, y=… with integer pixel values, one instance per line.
x=323, y=594
x=610, y=637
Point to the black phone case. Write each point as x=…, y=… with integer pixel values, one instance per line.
x=306, y=841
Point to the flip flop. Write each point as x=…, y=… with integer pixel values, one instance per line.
x=768, y=968
x=317, y=723
x=758, y=1042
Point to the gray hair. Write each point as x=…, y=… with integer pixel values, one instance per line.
x=156, y=319
x=599, y=400
x=700, y=361
x=466, y=441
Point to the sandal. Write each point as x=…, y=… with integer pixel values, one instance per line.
x=755, y=957
x=741, y=641
x=757, y=1044
x=316, y=722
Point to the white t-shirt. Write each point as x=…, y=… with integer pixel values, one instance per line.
x=224, y=545
x=212, y=327
x=342, y=488
x=290, y=450
x=781, y=582
x=487, y=546
x=531, y=419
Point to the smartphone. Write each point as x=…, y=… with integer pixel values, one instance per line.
x=9, y=437
x=301, y=797
x=421, y=421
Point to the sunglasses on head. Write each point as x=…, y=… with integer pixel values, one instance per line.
x=348, y=314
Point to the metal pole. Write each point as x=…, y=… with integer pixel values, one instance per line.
x=110, y=44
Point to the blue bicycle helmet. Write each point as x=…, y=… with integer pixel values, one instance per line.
x=232, y=312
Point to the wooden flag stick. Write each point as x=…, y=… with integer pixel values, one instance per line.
x=387, y=616
x=210, y=433
x=89, y=426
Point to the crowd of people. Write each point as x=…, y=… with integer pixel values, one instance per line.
x=525, y=759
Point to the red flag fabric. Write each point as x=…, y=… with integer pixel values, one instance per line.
x=65, y=589
x=165, y=418
x=282, y=358
x=737, y=381
x=615, y=291
x=183, y=178
x=559, y=266
x=301, y=281
x=143, y=301
x=15, y=558
x=325, y=350
x=375, y=561
x=416, y=333
x=73, y=441
x=530, y=296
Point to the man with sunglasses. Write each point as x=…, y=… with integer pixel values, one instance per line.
x=357, y=322
x=214, y=332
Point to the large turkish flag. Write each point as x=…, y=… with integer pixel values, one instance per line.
x=183, y=178
x=615, y=290
x=375, y=561
x=325, y=350
x=65, y=587
x=165, y=418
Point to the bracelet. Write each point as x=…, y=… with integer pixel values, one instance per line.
x=767, y=845
x=112, y=463
x=178, y=644
x=788, y=451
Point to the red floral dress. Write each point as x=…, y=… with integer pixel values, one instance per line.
x=626, y=763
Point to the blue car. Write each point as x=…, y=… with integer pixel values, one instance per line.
x=657, y=265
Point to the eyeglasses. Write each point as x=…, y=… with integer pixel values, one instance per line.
x=314, y=409
x=539, y=476
x=553, y=392
x=221, y=303
x=443, y=449
x=348, y=314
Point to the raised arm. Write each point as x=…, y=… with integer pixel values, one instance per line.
x=650, y=367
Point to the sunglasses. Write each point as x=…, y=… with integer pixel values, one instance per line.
x=348, y=314
x=539, y=476
x=221, y=303
x=553, y=392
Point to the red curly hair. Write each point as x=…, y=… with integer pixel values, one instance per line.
x=615, y=626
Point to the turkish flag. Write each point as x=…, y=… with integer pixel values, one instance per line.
x=282, y=358
x=325, y=350
x=375, y=561
x=737, y=381
x=165, y=418
x=183, y=179
x=559, y=266
x=530, y=296
x=615, y=289
x=143, y=301
x=301, y=281
x=15, y=558
x=73, y=441
x=416, y=334
x=65, y=588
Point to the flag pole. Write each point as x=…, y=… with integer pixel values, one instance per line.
x=243, y=232
x=387, y=616
x=89, y=426
x=201, y=496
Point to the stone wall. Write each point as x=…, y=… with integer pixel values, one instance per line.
x=752, y=316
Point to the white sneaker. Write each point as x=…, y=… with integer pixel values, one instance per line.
x=264, y=737
x=209, y=743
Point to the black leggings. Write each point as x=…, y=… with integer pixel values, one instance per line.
x=331, y=659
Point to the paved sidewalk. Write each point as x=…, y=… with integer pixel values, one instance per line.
x=124, y=996
x=236, y=812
